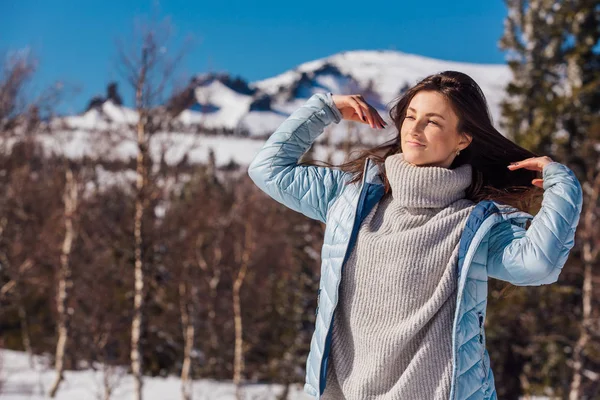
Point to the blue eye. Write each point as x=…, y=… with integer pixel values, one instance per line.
x=433, y=122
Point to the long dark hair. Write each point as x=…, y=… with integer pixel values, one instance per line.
x=489, y=152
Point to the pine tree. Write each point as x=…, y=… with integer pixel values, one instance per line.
x=553, y=108
x=533, y=43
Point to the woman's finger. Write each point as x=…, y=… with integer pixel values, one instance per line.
x=364, y=106
x=538, y=183
x=358, y=109
x=533, y=163
x=380, y=121
x=530, y=163
x=375, y=117
x=359, y=112
x=366, y=113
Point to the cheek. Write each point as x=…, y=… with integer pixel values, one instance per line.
x=404, y=128
x=403, y=131
x=439, y=139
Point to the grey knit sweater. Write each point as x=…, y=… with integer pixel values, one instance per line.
x=392, y=331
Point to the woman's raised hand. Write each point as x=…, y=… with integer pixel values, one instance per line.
x=354, y=108
x=534, y=164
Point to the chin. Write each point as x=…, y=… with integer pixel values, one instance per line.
x=417, y=159
x=413, y=158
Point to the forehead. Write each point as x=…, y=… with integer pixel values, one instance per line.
x=428, y=101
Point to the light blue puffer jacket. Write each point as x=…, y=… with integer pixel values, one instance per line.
x=493, y=244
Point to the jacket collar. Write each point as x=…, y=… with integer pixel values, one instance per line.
x=372, y=172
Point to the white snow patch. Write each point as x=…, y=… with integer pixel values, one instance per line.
x=20, y=381
x=260, y=123
x=108, y=116
x=232, y=105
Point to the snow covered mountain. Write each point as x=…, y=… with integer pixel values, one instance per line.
x=221, y=108
x=223, y=103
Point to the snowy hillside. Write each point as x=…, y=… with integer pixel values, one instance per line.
x=234, y=117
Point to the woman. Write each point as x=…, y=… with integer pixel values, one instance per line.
x=414, y=228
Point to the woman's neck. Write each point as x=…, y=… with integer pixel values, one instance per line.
x=416, y=186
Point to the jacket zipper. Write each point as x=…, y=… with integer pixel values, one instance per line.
x=328, y=338
x=318, y=296
x=481, y=340
x=454, y=392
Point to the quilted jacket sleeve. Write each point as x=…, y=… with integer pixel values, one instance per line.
x=275, y=169
x=536, y=256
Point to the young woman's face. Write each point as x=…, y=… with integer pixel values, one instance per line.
x=429, y=135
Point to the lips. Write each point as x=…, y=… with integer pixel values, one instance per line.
x=412, y=142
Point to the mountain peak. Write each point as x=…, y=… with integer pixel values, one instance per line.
x=220, y=102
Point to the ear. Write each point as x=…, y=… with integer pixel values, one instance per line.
x=465, y=140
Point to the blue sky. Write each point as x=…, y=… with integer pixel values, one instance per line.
x=74, y=41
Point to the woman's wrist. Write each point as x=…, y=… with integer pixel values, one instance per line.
x=331, y=104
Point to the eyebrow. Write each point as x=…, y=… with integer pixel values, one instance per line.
x=434, y=114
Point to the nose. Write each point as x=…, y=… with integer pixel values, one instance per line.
x=415, y=132
x=417, y=128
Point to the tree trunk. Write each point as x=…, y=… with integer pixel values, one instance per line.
x=138, y=301
x=590, y=257
x=107, y=386
x=140, y=205
x=212, y=277
x=244, y=252
x=106, y=383
x=25, y=335
x=584, y=337
x=65, y=281
x=187, y=323
x=211, y=323
x=238, y=364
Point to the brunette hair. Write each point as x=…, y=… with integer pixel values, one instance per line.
x=489, y=152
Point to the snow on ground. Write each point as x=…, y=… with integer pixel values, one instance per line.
x=19, y=381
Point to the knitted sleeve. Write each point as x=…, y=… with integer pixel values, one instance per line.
x=536, y=256
x=275, y=170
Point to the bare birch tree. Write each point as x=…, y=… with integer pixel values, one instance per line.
x=16, y=72
x=149, y=71
x=20, y=120
x=65, y=281
x=244, y=247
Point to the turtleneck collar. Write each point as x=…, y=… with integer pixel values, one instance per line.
x=426, y=186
